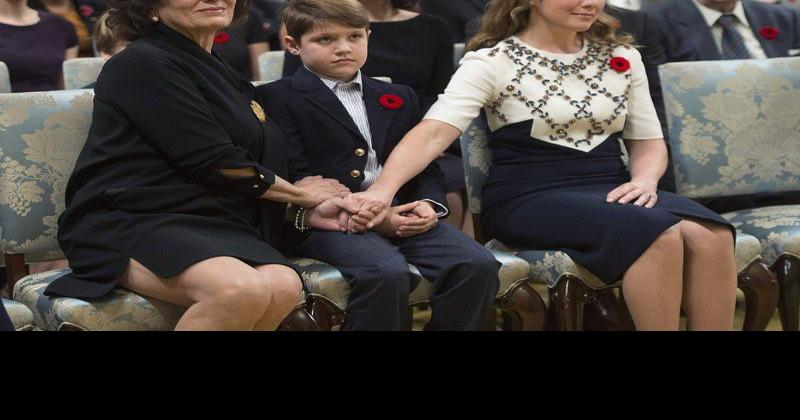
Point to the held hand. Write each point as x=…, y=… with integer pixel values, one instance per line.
x=317, y=189
x=395, y=217
x=367, y=209
x=421, y=219
x=328, y=215
x=637, y=192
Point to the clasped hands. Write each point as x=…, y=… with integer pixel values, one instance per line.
x=333, y=207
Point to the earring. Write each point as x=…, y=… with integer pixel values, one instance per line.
x=154, y=18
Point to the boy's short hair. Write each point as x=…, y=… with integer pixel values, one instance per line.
x=300, y=16
x=103, y=37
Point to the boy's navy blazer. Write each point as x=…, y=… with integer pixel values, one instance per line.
x=686, y=36
x=322, y=138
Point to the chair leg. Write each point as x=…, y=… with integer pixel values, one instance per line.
x=568, y=299
x=409, y=315
x=787, y=270
x=627, y=320
x=607, y=313
x=490, y=323
x=325, y=313
x=16, y=269
x=760, y=296
x=299, y=320
x=522, y=307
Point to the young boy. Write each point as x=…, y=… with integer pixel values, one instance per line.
x=342, y=124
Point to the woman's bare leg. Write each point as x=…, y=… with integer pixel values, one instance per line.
x=222, y=293
x=709, y=293
x=653, y=285
x=287, y=291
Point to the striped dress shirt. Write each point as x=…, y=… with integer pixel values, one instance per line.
x=351, y=96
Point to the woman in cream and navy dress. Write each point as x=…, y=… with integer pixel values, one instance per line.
x=559, y=88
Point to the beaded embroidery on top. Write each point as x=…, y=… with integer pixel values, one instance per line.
x=590, y=68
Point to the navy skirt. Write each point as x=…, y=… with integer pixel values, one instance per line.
x=543, y=196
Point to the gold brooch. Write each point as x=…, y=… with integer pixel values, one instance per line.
x=258, y=111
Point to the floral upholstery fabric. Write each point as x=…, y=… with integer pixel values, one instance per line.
x=120, y=310
x=5, y=79
x=477, y=159
x=733, y=125
x=458, y=53
x=79, y=72
x=777, y=227
x=270, y=66
x=41, y=136
x=21, y=316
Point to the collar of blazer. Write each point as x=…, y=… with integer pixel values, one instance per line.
x=758, y=17
x=167, y=36
x=322, y=97
x=697, y=31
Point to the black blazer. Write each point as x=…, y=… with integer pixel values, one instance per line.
x=322, y=138
x=686, y=36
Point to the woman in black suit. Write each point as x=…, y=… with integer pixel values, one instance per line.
x=178, y=187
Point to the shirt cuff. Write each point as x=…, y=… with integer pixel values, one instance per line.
x=440, y=209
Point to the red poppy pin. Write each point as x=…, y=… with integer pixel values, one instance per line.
x=619, y=64
x=85, y=10
x=391, y=101
x=769, y=32
x=221, y=38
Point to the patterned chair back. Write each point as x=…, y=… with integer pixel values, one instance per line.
x=5, y=79
x=734, y=125
x=476, y=159
x=41, y=136
x=79, y=72
x=270, y=66
x=458, y=53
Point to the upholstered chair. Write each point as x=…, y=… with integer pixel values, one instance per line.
x=21, y=316
x=79, y=72
x=458, y=53
x=5, y=79
x=735, y=130
x=270, y=66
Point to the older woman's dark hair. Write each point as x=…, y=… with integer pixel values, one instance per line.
x=132, y=19
x=406, y=4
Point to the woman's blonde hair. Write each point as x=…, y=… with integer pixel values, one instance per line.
x=504, y=18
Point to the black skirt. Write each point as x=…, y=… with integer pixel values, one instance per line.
x=543, y=196
x=100, y=243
